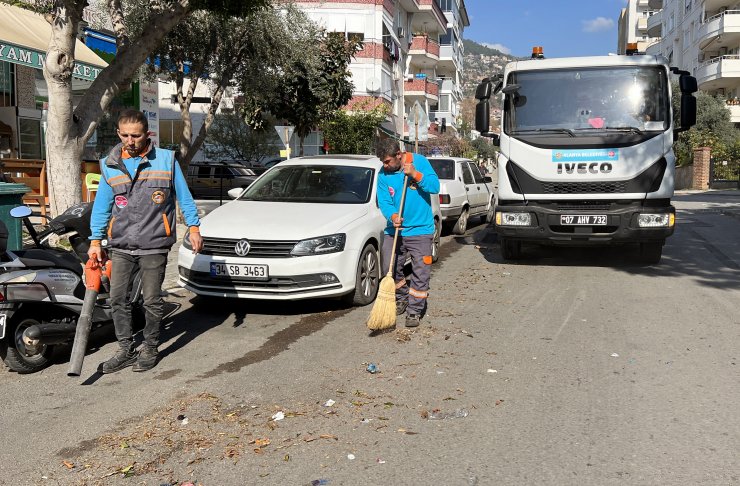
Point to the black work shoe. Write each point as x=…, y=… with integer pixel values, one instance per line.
x=401, y=307
x=147, y=359
x=413, y=320
x=122, y=359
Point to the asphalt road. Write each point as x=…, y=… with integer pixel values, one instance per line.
x=573, y=366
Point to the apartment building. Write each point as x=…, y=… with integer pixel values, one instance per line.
x=633, y=26
x=702, y=37
x=412, y=52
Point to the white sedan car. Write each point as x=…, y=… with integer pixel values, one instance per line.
x=309, y=227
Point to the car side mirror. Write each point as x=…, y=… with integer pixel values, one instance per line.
x=487, y=179
x=236, y=192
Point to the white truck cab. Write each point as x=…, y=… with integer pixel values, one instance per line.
x=586, y=150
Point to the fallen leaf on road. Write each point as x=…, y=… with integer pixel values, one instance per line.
x=68, y=464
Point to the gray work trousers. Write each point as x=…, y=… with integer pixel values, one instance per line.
x=419, y=249
x=152, y=269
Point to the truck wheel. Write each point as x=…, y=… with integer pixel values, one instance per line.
x=367, y=278
x=435, y=240
x=651, y=252
x=14, y=352
x=462, y=223
x=510, y=250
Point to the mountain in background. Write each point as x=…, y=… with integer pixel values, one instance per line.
x=481, y=62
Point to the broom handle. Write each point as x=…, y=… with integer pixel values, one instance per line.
x=400, y=213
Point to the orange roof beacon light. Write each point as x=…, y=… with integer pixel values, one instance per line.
x=537, y=53
x=631, y=48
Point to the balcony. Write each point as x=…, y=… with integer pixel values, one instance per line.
x=655, y=4
x=642, y=23
x=421, y=87
x=721, y=30
x=734, y=107
x=424, y=51
x=429, y=18
x=654, y=48
x=721, y=72
x=655, y=25
x=643, y=3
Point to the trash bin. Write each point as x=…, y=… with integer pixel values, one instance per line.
x=11, y=196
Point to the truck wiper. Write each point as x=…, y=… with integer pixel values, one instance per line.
x=545, y=130
x=626, y=129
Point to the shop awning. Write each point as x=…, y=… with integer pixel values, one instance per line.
x=24, y=38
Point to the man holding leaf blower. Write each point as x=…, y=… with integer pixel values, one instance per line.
x=414, y=221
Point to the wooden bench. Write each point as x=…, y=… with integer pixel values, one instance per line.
x=30, y=172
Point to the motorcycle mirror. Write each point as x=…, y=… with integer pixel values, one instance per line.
x=21, y=212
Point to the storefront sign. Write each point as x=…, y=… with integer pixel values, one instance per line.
x=35, y=59
x=149, y=105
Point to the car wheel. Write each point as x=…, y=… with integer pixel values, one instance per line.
x=510, y=250
x=488, y=217
x=651, y=252
x=14, y=352
x=435, y=240
x=462, y=223
x=367, y=278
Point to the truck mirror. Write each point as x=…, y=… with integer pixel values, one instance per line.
x=498, y=87
x=495, y=138
x=483, y=91
x=688, y=110
x=687, y=84
x=511, y=88
x=482, y=116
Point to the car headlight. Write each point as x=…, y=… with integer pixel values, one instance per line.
x=186, y=241
x=320, y=245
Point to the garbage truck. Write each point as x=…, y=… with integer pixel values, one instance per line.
x=586, y=150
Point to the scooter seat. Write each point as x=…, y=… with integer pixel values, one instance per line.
x=39, y=258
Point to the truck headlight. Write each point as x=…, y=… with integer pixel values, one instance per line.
x=513, y=219
x=320, y=245
x=663, y=220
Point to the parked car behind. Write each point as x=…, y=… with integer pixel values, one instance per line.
x=464, y=192
x=214, y=179
x=309, y=227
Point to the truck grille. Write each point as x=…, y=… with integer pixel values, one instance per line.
x=583, y=187
x=258, y=248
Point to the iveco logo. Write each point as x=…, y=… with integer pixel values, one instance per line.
x=242, y=247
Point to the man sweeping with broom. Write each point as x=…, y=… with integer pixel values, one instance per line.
x=405, y=188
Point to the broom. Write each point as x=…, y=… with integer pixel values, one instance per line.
x=383, y=315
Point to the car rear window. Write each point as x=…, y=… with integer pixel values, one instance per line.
x=330, y=184
x=445, y=168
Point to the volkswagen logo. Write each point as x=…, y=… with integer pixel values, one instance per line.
x=242, y=247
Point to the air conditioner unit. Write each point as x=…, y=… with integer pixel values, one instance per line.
x=401, y=32
x=410, y=77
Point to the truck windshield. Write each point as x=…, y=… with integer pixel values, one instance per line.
x=570, y=102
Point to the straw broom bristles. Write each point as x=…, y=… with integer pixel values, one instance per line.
x=383, y=314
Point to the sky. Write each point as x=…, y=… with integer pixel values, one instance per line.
x=562, y=27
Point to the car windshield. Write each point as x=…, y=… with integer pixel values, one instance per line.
x=327, y=184
x=445, y=168
x=575, y=102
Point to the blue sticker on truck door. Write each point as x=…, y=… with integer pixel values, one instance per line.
x=586, y=155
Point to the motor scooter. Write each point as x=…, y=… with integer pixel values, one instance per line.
x=42, y=290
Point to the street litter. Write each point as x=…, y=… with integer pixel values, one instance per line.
x=366, y=420
x=329, y=403
x=351, y=457
x=492, y=370
x=439, y=415
x=372, y=368
x=319, y=482
x=184, y=421
x=381, y=461
x=615, y=355
x=278, y=416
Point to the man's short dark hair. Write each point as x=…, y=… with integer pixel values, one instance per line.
x=387, y=147
x=133, y=116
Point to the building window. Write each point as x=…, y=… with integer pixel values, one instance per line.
x=29, y=137
x=446, y=5
x=446, y=39
x=7, y=72
x=444, y=103
x=170, y=132
x=688, y=5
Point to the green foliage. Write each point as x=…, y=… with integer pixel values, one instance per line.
x=230, y=138
x=713, y=128
x=446, y=144
x=484, y=148
x=353, y=132
x=312, y=88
